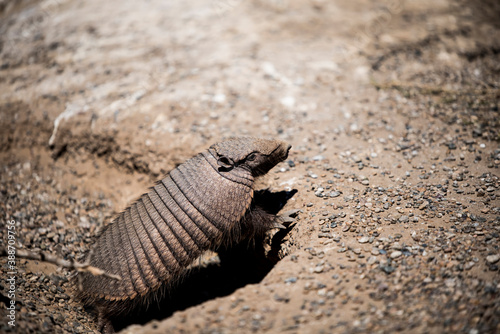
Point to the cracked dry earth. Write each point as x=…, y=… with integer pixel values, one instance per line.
x=392, y=111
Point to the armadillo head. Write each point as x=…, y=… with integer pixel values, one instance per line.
x=254, y=154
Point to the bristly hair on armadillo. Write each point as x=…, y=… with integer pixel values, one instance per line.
x=203, y=204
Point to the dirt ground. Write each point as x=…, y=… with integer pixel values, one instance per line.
x=392, y=111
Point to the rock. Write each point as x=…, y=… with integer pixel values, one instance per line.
x=469, y=265
x=396, y=254
x=363, y=240
x=388, y=269
x=423, y=205
x=318, y=269
x=493, y=258
x=404, y=219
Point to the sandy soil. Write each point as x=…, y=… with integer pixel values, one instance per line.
x=392, y=111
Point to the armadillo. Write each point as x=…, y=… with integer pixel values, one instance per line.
x=202, y=204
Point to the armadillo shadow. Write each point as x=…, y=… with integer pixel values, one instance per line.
x=233, y=268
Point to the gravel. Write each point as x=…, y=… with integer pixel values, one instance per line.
x=395, y=157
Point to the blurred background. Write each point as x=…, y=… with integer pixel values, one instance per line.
x=100, y=98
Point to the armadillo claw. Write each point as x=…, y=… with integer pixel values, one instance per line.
x=288, y=217
x=279, y=225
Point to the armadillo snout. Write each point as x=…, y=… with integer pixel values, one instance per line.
x=281, y=151
x=287, y=150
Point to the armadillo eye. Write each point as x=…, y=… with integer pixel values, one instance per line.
x=251, y=157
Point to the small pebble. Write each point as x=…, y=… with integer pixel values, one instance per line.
x=404, y=219
x=396, y=254
x=493, y=258
x=363, y=240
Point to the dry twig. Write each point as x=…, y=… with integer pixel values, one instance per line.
x=69, y=264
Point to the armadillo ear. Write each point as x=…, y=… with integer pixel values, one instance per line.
x=225, y=162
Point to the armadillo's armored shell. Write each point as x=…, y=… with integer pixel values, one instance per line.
x=199, y=205
x=191, y=210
